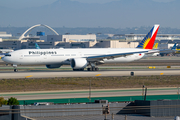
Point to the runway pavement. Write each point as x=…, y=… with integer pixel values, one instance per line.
x=70, y=73
x=85, y=93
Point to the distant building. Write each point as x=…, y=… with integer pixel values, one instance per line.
x=165, y=46
x=62, y=44
x=42, y=45
x=89, y=44
x=115, y=44
x=5, y=35
x=10, y=45
x=72, y=38
x=159, y=36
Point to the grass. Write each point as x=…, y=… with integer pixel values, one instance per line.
x=41, y=84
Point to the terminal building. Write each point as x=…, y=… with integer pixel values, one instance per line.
x=27, y=40
x=5, y=35
x=72, y=38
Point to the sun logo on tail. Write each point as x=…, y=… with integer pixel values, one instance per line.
x=149, y=39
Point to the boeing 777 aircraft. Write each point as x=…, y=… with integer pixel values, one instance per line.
x=81, y=58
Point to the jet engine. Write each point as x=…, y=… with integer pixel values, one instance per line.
x=78, y=63
x=53, y=66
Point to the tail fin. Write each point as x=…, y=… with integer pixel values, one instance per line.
x=148, y=41
x=155, y=46
x=174, y=47
x=37, y=46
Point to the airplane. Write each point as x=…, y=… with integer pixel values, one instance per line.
x=155, y=46
x=168, y=51
x=81, y=58
x=174, y=48
x=162, y=51
x=37, y=46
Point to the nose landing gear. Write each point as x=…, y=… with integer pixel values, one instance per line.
x=15, y=68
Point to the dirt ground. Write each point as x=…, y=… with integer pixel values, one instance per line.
x=14, y=85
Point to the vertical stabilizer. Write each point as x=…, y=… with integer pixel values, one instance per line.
x=37, y=46
x=148, y=41
x=155, y=46
x=174, y=47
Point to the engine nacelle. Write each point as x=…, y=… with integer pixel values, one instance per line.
x=78, y=63
x=53, y=66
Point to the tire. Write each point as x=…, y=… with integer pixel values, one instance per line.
x=88, y=69
x=82, y=69
x=97, y=69
x=93, y=68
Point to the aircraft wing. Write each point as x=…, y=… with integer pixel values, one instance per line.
x=173, y=49
x=111, y=56
x=161, y=51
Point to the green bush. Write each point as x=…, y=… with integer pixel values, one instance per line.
x=12, y=101
x=2, y=101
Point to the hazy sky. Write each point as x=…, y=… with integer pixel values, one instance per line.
x=36, y=3
x=128, y=13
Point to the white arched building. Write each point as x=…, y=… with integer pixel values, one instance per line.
x=31, y=28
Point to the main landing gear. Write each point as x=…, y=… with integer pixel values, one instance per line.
x=15, y=68
x=93, y=67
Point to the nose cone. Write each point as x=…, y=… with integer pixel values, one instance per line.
x=5, y=59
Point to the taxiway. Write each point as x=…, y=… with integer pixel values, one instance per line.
x=69, y=73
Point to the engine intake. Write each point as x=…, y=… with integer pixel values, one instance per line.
x=78, y=63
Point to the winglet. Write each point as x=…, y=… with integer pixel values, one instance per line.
x=148, y=41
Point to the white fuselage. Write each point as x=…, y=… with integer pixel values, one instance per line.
x=61, y=56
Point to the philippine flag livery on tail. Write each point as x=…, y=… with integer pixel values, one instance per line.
x=148, y=41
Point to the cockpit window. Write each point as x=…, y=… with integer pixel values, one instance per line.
x=7, y=54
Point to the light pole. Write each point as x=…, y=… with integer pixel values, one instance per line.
x=90, y=87
x=89, y=90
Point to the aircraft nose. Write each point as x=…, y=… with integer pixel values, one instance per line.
x=4, y=59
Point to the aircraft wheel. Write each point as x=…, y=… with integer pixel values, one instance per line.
x=93, y=68
x=15, y=70
x=82, y=69
x=97, y=69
